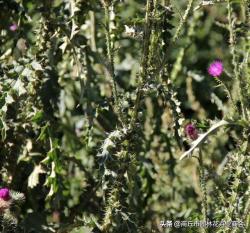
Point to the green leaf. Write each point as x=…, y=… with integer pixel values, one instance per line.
x=38, y=117
x=43, y=133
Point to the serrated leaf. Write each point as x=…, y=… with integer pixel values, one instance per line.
x=19, y=87
x=74, y=30
x=26, y=72
x=74, y=8
x=36, y=66
x=64, y=45
x=9, y=99
x=33, y=179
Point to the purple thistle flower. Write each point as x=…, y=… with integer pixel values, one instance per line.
x=4, y=194
x=216, y=68
x=191, y=131
x=13, y=27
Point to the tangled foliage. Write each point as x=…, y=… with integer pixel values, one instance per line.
x=110, y=120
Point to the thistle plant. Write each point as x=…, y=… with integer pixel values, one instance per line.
x=120, y=116
x=9, y=203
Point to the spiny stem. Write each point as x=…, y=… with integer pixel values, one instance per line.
x=232, y=42
x=232, y=36
x=110, y=54
x=183, y=20
x=93, y=30
x=208, y=3
x=145, y=58
x=227, y=90
x=203, y=185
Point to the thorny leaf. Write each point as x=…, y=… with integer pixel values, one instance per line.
x=33, y=179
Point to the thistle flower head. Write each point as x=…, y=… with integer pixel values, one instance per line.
x=13, y=27
x=4, y=205
x=191, y=131
x=4, y=194
x=216, y=68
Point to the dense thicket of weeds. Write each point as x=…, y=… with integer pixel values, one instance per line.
x=124, y=116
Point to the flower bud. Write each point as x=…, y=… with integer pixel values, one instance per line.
x=4, y=194
x=191, y=131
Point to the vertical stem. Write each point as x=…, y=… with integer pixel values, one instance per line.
x=233, y=53
x=203, y=185
x=227, y=91
x=231, y=37
x=93, y=30
x=166, y=2
x=183, y=20
x=110, y=50
x=144, y=62
x=110, y=53
x=154, y=34
x=146, y=39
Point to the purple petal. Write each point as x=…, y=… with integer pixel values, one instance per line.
x=216, y=68
x=5, y=194
x=13, y=27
